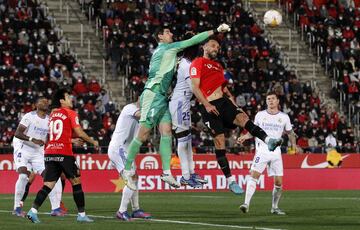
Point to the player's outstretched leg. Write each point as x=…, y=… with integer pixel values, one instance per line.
x=122, y=213
x=224, y=165
x=165, y=153
x=137, y=211
x=79, y=199
x=132, y=150
x=20, y=187
x=276, y=195
x=250, y=190
x=39, y=200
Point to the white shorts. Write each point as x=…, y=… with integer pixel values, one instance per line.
x=180, y=114
x=33, y=161
x=118, y=158
x=272, y=161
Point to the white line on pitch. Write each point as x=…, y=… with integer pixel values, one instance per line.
x=171, y=221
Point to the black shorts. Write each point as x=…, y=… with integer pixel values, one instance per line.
x=56, y=164
x=225, y=120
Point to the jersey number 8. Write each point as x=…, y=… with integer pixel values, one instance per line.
x=56, y=128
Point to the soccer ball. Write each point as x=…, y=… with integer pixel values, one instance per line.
x=272, y=18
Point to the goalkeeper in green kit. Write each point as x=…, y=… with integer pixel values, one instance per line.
x=154, y=106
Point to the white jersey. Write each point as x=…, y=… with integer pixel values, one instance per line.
x=274, y=126
x=126, y=127
x=183, y=89
x=36, y=127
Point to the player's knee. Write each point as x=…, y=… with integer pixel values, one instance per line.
x=219, y=141
x=254, y=174
x=75, y=181
x=278, y=183
x=50, y=184
x=241, y=119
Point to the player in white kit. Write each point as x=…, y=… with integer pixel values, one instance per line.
x=30, y=138
x=179, y=107
x=274, y=123
x=125, y=130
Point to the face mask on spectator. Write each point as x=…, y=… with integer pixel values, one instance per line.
x=49, y=91
x=3, y=109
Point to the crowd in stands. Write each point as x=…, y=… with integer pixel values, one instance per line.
x=34, y=62
x=252, y=65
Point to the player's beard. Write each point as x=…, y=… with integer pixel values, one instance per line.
x=213, y=55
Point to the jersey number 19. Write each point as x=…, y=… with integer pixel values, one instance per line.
x=56, y=129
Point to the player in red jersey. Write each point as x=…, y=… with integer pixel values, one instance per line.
x=218, y=109
x=59, y=157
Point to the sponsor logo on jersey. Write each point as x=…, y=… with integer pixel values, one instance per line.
x=193, y=71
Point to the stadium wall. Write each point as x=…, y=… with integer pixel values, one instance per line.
x=301, y=172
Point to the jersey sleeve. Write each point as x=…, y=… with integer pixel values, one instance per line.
x=178, y=46
x=26, y=120
x=195, y=68
x=131, y=110
x=288, y=126
x=74, y=119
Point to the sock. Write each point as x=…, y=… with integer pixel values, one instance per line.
x=182, y=149
x=79, y=197
x=255, y=130
x=41, y=196
x=125, y=198
x=276, y=195
x=63, y=183
x=55, y=195
x=82, y=214
x=20, y=189
x=190, y=156
x=230, y=179
x=165, y=153
x=34, y=210
x=250, y=189
x=223, y=162
x=26, y=192
x=135, y=201
x=132, y=150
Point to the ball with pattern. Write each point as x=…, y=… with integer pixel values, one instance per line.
x=272, y=18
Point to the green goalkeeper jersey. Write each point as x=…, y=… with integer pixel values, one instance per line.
x=163, y=62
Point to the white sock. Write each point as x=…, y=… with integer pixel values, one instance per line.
x=82, y=214
x=20, y=189
x=250, y=189
x=276, y=195
x=55, y=195
x=267, y=139
x=34, y=210
x=167, y=172
x=190, y=156
x=230, y=179
x=125, y=198
x=182, y=149
x=135, y=201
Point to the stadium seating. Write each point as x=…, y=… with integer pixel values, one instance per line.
x=252, y=65
x=33, y=62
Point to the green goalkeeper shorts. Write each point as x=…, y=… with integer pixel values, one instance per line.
x=154, y=109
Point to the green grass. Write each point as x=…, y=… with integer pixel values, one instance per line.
x=306, y=210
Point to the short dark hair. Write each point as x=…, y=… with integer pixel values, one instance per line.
x=39, y=98
x=160, y=30
x=272, y=93
x=212, y=37
x=58, y=95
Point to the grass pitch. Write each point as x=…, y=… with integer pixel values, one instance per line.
x=197, y=210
